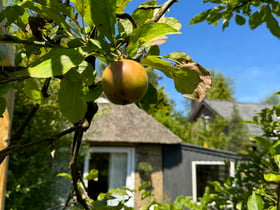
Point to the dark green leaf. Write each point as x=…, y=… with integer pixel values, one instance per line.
x=272, y=24
x=70, y=100
x=4, y=88
x=200, y=17
x=240, y=20
x=93, y=94
x=255, y=202
x=103, y=14
x=32, y=90
x=149, y=98
x=2, y=106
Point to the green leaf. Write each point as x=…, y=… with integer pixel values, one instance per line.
x=240, y=20
x=265, y=143
x=2, y=106
x=93, y=94
x=121, y=5
x=70, y=100
x=4, y=88
x=84, y=9
x=65, y=175
x=271, y=177
x=92, y=175
x=103, y=14
x=190, y=78
x=200, y=17
x=32, y=90
x=57, y=62
x=255, y=202
x=143, y=13
x=149, y=98
x=141, y=35
x=157, y=63
x=272, y=24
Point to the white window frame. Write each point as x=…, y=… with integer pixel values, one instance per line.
x=194, y=178
x=130, y=176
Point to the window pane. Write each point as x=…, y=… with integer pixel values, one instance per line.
x=99, y=161
x=112, y=172
x=206, y=173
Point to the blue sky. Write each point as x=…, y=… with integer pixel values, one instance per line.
x=250, y=58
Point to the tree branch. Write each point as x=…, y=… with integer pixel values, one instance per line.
x=163, y=9
x=13, y=39
x=18, y=148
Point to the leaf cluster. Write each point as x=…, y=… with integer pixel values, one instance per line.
x=254, y=12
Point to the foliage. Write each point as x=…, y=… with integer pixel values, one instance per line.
x=222, y=88
x=32, y=175
x=272, y=99
x=237, y=136
x=256, y=181
x=242, y=11
x=60, y=42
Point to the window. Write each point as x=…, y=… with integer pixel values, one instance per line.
x=116, y=170
x=205, y=171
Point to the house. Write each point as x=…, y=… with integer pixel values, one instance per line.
x=122, y=138
x=129, y=147
x=188, y=168
x=224, y=109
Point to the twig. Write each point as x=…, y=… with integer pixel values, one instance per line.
x=127, y=16
x=17, y=148
x=13, y=39
x=163, y=9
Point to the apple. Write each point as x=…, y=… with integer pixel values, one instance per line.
x=124, y=81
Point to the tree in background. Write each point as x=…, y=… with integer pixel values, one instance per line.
x=237, y=136
x=272, y=99
x=222, y=88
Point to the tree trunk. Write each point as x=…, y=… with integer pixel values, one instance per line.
x=6, y=58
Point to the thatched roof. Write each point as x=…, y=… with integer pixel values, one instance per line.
x=127, y=124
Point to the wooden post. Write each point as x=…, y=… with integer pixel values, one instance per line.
x=6, y=58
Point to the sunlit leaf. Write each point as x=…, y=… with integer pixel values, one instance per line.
x=141, y=35
x=121, y=5
x=65, y=175
x=92, y=175
x=70, y=100
x=255, y=202
x=57, y=62
x=84, y=9
x=271, y=177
